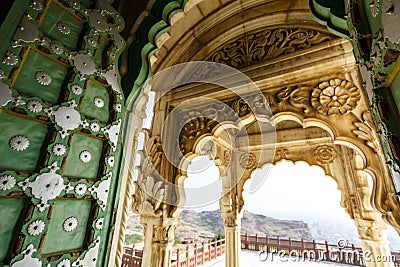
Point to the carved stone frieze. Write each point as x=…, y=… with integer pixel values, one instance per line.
x=267, y=44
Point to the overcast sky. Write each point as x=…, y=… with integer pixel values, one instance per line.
x=289, y=191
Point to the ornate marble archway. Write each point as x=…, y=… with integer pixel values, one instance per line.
x=306, y=74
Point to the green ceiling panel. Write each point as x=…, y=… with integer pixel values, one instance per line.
x=26, y=136
x=67, y=229
x=84, y=157
x=101, y=46
x=41, y=76
x=10, y=210
x=96, y=101
x=61, y=25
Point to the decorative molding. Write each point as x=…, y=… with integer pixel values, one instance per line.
x=281, y=153
x=267, y=44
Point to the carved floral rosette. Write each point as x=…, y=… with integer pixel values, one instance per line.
x=335, y=97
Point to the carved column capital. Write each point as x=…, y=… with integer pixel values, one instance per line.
x=371, y=230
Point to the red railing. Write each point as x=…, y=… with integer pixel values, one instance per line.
x=132, y=257
x=311, y=250
x=198, y=254
x=191, y=256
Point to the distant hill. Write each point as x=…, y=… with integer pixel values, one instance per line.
x=209, y=223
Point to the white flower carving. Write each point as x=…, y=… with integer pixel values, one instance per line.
x=99, y=224
x=76, y=89
x=10, y=59
x=92, y=42
x=110, y=161
x=68, y=118
x=64, y=263
x=118, y=107
x=19, y=143
x=335, y=97
x=36, y=5
x=59, y=149
x=70, y=224
x=36, y=227
x=95, y=127
x=63, y=28
x=85, y=156
x=43, y=78
x=80, y=189
x=56, y=48
x=98, y=102
x=34, y=106
x=7, y=182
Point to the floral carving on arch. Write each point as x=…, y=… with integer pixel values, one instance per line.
x=267, y=44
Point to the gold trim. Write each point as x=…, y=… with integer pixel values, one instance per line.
x=393, y=74
x=62, y=7
x=26, y=117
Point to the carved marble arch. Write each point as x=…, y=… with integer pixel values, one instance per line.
x=299, y=87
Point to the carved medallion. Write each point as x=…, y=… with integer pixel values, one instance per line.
x=248, y=160
x=335, y=97
x=325, y=154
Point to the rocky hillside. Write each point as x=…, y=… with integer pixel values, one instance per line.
x=209, y=223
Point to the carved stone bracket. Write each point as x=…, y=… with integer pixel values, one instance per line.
x=149, y=196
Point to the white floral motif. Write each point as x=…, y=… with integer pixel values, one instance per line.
x=36, y=227
x=80, y=189
x=68, y=118
x=64, y=263
x=98, y=102
x=92, y=42
x=70, y=224
x=90, y=258
x=10, y=59
x=59, y=149
x=63, y=28
x=76, y=89
x=85, y=156
x=43, y=78
x=36, y=5
x=46, y=186
x=99, y=224
x=110, y=161
x=118, y=107
x=95, y=127
x=102, y=190
x=19, y=143
x=27, y=259
x=7, y=182
x=56, y=48
x=34, y=106
x=113, y=134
